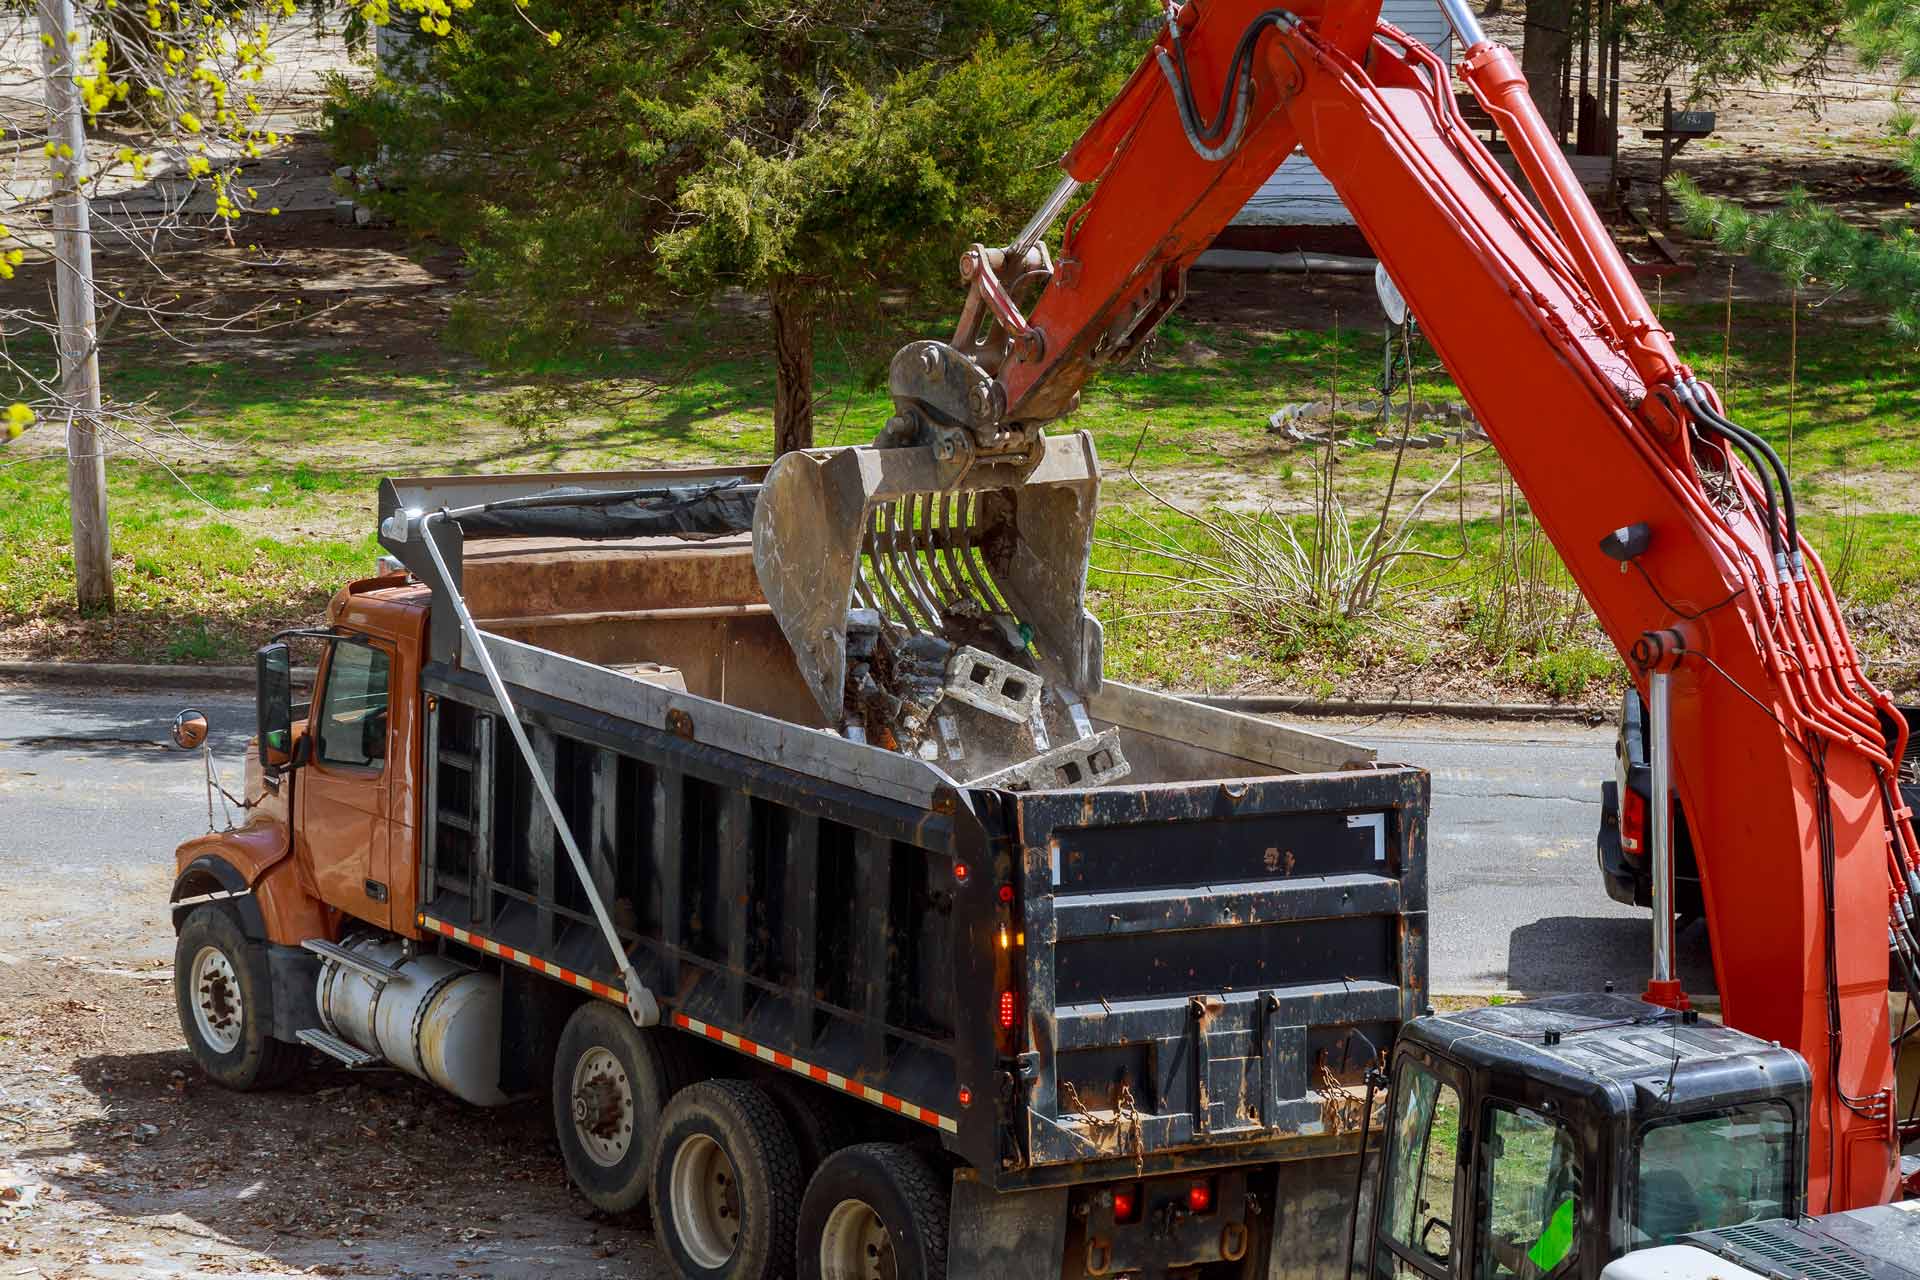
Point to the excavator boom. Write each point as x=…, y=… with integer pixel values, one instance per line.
x=1677, y=524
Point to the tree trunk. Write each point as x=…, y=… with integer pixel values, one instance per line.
x=1543, y=55
x=792, y=367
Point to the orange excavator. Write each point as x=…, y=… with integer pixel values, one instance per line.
x=1679, y=525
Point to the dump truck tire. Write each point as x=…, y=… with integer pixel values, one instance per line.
x=223, y=992
x=870, y=1201
x=726, y=1184
x=818, y=1124
x=611, y=1080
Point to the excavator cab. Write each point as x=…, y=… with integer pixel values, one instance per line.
x=1541, y=1140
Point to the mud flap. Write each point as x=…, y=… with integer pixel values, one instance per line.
x=1312, y=1204
x=294, y=971
x=1013, y=1235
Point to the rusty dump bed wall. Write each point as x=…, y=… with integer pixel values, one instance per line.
x=1213, y=958
x=697, y=607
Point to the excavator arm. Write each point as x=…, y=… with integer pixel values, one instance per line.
x=1677, y=524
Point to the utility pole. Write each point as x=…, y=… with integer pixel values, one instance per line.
x=73, y=287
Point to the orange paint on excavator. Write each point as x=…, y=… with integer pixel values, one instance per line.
x=1785, y=752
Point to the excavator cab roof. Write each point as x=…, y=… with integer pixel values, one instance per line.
x=1615, y=1054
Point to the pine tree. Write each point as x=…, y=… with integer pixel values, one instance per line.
x=814, y=151
x=1806, y=241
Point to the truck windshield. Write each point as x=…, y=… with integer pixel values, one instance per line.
x=1715, y=1170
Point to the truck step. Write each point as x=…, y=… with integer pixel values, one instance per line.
x=372, y=970
x=336, y=1048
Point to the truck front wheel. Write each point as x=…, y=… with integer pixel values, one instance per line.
x=610, y=1081
x=874, y=1212
x=223, y=992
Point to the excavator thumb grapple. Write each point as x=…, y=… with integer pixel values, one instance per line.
x=974, y=575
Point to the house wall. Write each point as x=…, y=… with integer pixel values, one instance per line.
x=1296, y=195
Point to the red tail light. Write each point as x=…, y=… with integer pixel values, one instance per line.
x=1008, y=1012
x=1126, y=1205
x=1200, y=1197
x=1633, y=821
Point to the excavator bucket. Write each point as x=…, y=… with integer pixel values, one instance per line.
x=944, y=585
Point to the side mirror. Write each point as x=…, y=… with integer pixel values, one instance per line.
x=190, y=729
x=273, y=670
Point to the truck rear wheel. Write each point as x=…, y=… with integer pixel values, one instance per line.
x=726, y=1183
x=223, y=993
x=819, y=1126
x=874, y=1212
x=611, y=1080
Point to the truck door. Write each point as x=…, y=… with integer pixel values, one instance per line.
x=343, y=827
x=1421, y=1185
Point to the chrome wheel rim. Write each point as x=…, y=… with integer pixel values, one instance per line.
x=218, y=1015
x=602, y=1107
x=855, y=1245
x=706, y=1201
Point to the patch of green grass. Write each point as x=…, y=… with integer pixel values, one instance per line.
x=189, y=586
x=277, y=512
x=1566, y=673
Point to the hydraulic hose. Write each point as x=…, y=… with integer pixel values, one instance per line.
x=1736, y=440
x=1236, y=95
x=1705, y=406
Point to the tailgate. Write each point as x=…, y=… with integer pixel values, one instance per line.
x=1205, y=959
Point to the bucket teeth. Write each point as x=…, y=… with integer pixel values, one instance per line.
x=997, y=554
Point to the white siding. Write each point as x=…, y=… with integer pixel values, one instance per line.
x=1296, y=195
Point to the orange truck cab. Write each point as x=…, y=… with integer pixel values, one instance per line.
x=340, y=846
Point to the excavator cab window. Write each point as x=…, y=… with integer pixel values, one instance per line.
x=1529, y=1190
x=1422, y=1160
x=1703, y=1172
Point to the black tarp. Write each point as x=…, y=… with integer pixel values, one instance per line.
x=685, y=511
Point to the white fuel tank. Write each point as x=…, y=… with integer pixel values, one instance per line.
x=433, y=1019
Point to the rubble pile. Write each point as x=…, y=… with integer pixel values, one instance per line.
x=972, y=701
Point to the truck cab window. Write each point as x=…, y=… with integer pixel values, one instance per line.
x=1418, y=1198
x=1716, y=1170
x=351, y=729
x=1530, y=1185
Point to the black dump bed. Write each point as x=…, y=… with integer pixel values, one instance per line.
x=1191, y=965
x=1061, y=984
x=1213, y=963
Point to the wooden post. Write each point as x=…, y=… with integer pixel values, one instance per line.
x=73, y=280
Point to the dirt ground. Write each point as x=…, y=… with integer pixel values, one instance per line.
x=118, y=1159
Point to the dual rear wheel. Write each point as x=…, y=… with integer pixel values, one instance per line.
x=746, y=1182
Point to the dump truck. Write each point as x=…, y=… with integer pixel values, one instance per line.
x=850, y=999
x=1145, y=1008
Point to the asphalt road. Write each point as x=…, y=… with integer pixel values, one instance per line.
x=1515, y=897
x=93, y=798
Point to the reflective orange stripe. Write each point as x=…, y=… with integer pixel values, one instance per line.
x=786, y=1061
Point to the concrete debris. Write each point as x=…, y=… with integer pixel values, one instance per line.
x=971, y=702
x=979, y=679
x=1089, y=762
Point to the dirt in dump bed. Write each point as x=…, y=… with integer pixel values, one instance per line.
x=118, y=1158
